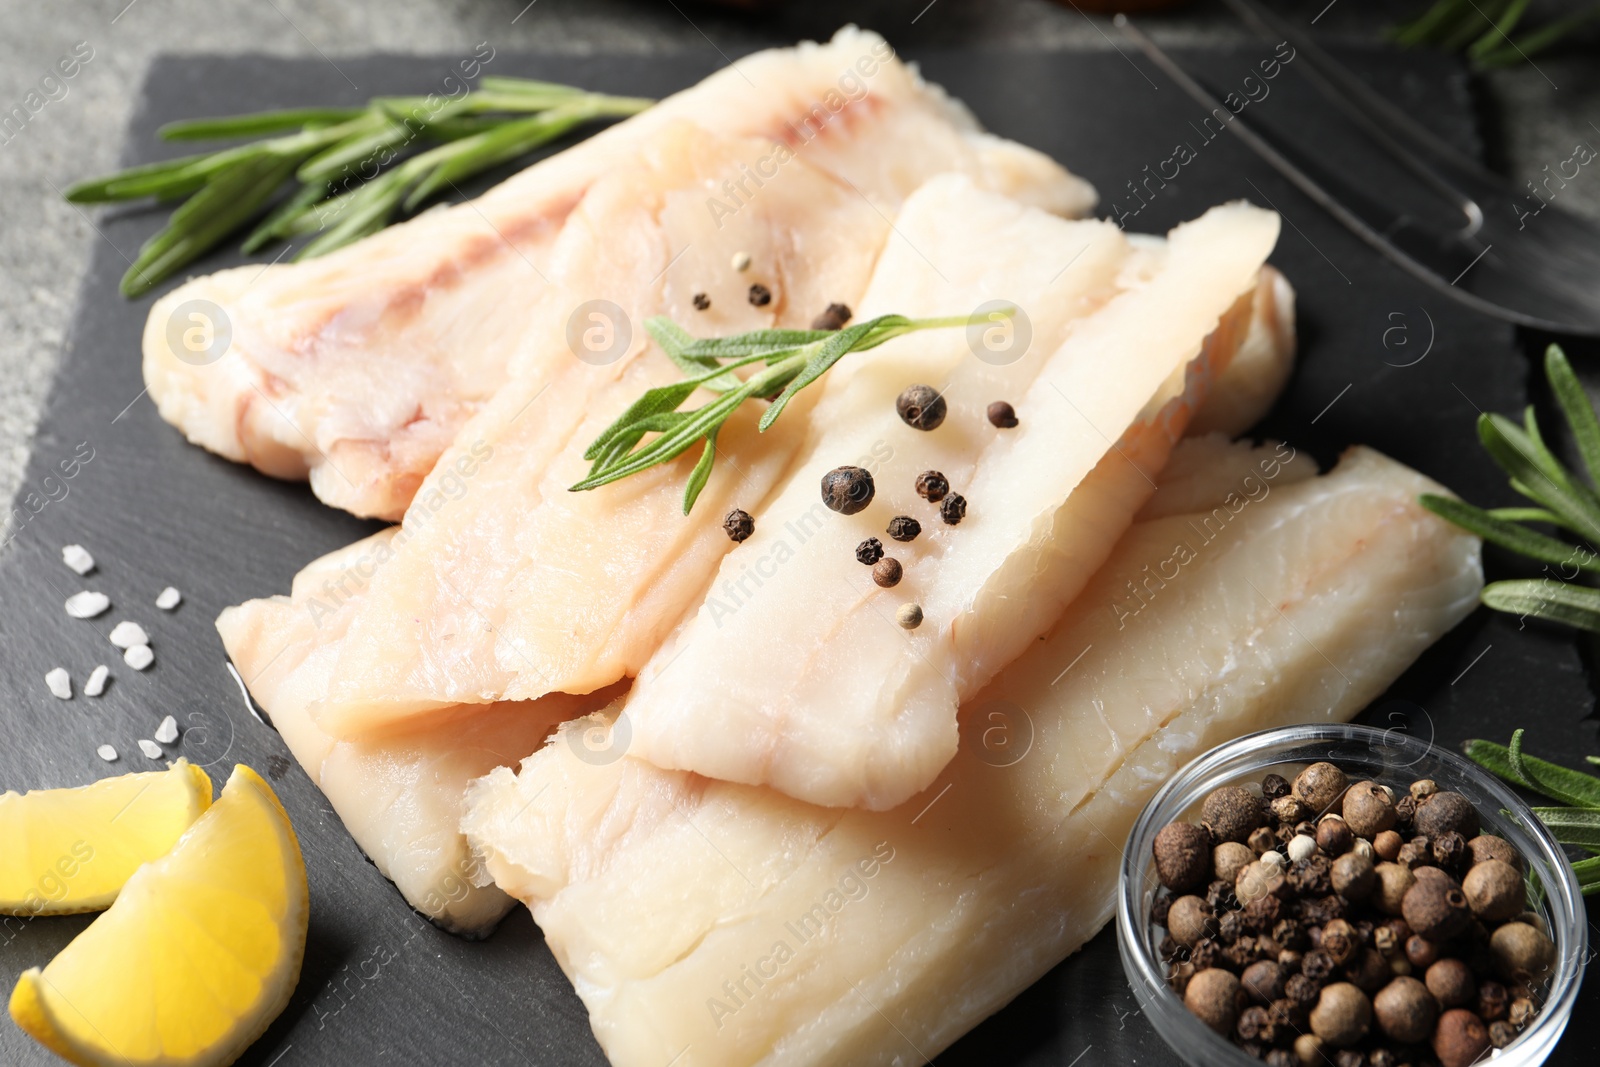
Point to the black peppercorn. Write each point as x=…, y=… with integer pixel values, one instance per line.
x=1183, y=858
x=1302, y=989
x=887, y=572
x=702, y=302
x=953, y=509
x=1231, y=927
x=1460, y=1039
x=1493, y=1001
x=1501, y=1034
x=739, y=525
x=869, y=551
x=760, y=295
x=1405, y=811
x=1255, y=1025
x=1231, y=812
x=1446, y=811
x=921, y=407
x=1159, y=908
x=847, y=490
x=832, y=318
x=1274, y=786
x=1213, y=995
x=1449, y=850
x=1436, y=909
x=1219, y=894
x=1002, y=415
x=1263, y=980
x=1405, y=1010
x=904, y=528
x=1317, y=965
x=932, y=486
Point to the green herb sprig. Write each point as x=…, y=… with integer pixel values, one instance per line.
x=336, y=156
x=1564, y=502
x=793, y=360
x=1483, y=29
x=1576, y=822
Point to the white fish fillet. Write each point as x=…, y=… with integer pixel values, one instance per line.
x=801, y=679
x=360, y=367
x=708, y=923
x=520, y=587
x=401, y=796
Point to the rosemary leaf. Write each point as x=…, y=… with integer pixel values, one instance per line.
x=222, y=206
x=1542, y=598
x=1572, y=826
x=1588, y=872
x=1553, y=780
x=280, y=223
x=1492, y=528
x=675, y=342
x=1539, y=476
x=701, y=473
x=1500, y=31
x=1575, y=405
x=262, y=122
x=823, y=356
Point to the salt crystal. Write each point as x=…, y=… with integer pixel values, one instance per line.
x=97, y=681
x=126, y=634
x=107, y=753
x=60, y=683
x=167, y=732
x=139, y=657
x=150, y=748
x=87, y=605
x=77, y=557
x=169, y=599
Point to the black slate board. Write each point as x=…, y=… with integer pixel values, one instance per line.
x=380, y=983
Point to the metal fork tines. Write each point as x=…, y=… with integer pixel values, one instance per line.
x=1505, y=251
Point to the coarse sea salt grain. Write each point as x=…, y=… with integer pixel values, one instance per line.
x=107, y=753
x=97, y=681
x=126, y=634
x=60, y=683
x=77, y=557
x=167, y=732
x=169, y=599
x=150, y=748
x=139, y=657
x=87, y=605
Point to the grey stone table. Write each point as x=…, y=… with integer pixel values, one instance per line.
x=1532, y=115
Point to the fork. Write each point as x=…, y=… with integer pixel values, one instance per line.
x=1513, y=255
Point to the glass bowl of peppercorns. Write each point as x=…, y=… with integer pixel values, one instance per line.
x=1341, y=896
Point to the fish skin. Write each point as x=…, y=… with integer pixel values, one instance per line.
x=520, y=587
x=357, y=369
x=399, y=796
x=852, y=711
x=279, y=645
x=661, y=892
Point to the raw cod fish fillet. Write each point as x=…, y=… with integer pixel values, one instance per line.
x=710, y=923
x=520, y=587
x=400, y=797
x=794, y=672
x=360, y=367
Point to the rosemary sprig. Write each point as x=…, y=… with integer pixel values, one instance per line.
x=1484, y=29
x=1576, y=822
x=793, y=359
x=1565, y=501
x=337, y=156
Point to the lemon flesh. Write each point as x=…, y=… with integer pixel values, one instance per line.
x=198, y=955
x=71, y=850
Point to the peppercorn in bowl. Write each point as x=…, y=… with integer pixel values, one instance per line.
x=1339, y=895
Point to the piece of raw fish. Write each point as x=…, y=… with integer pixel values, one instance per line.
x=400, y=796
x=794, y=672
x=360, y=367
x=708, y=923
x=520, y=587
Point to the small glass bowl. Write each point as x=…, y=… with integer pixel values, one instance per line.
x=1393, y=759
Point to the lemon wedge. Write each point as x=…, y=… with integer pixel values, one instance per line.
x=198, y=955
x=70, y=850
